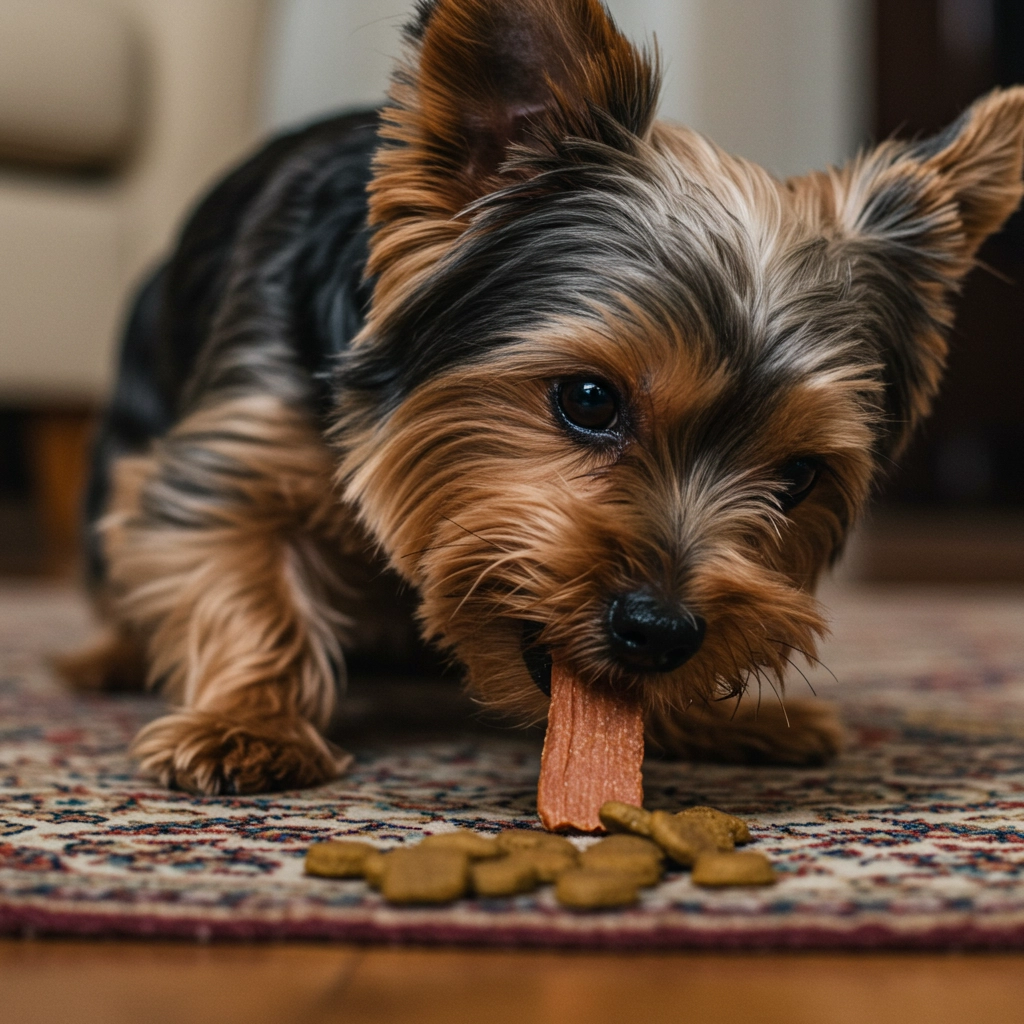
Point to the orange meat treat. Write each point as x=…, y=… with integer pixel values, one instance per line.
x=593, y=753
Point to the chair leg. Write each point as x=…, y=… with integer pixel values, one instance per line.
x=59, y=441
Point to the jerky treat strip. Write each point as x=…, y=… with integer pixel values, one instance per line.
x=593, y=753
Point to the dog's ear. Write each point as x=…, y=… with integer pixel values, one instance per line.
x=492, y=92
x=910, y=218
x=485, y=75
x=945, y=195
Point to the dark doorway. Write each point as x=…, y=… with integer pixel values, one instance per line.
x=933, y=57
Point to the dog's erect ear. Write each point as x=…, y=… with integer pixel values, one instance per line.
x=492, y=92
x=942, y=196
x=910, y=217
x=485, y=74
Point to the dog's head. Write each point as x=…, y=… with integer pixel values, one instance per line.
x=620, y=395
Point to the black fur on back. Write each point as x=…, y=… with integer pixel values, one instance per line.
x=312, y=231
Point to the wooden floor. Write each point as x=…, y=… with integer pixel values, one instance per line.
x=65, y=982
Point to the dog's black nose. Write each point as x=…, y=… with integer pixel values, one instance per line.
x=648, y=634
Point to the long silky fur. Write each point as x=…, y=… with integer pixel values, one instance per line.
x=342, y=385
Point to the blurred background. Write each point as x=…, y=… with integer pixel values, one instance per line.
x=116, y=114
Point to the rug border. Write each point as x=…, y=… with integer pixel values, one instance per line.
x=29, y=921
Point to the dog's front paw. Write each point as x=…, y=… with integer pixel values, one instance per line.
x=806, y=733
x=209, y=754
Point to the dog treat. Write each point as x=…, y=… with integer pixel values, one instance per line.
x=596, y=889
x=735, y=827
x=745, y=868
x=549, y=854
x=719, y=830
x=474, y=846
x=549, y=862
x=609, y=873
x=339, y=858
x=593, y=753
x=625, y=843
x=627, y=854
x=514, y=840
x=373, y=868
x=686, y=839
x=619, y=817
x=506, y=876
x=425, y=876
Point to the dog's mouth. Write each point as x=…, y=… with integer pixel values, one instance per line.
x=537, y=656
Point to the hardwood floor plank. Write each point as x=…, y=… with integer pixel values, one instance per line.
x=56, y=982
x=518, y=987
x=78, y=982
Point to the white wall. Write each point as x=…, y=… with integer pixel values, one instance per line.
x=783, y=82
x=330, y=54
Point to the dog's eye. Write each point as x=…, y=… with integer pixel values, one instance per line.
x=588, y=404
x=798, y=479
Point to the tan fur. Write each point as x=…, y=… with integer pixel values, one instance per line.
x=240, y=612
x=761, y=730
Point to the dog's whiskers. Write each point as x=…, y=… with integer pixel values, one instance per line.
x=809, y=657
x=792, y=664
x=735, y=710
x=782, y=703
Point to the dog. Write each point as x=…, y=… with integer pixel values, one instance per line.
x=512, y=370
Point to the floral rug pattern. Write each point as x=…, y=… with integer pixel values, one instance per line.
x=913, y=838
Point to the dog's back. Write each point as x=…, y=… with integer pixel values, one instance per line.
x=175, y=308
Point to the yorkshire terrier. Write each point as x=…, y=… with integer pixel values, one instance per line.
x=514, y=365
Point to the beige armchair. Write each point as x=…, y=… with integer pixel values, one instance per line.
x=114, y=114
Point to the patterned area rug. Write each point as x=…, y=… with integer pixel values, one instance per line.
x=914, y=838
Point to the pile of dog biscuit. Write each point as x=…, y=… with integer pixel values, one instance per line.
x=445, y=867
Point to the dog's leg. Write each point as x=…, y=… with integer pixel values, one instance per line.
x=806, y=732
x=216, y=545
